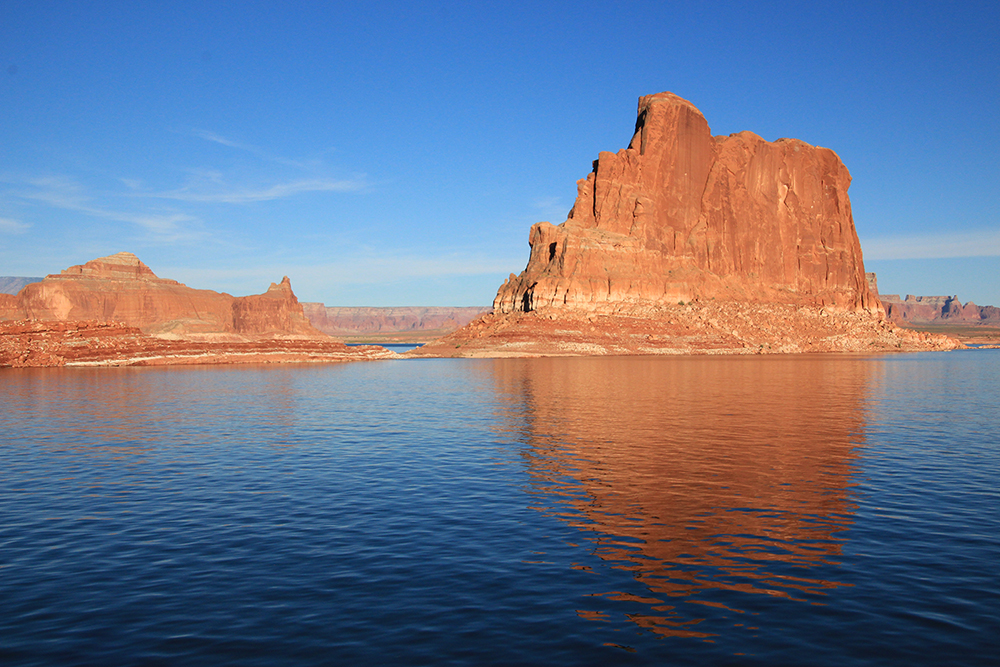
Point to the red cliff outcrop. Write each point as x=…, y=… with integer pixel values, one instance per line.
x=684, y=242
x=937, y=310
x=36, y=343
x=681, y=215
x=120, y=288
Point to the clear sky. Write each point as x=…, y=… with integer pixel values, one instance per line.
x=386, y=153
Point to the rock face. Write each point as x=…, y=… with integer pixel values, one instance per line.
x=89, y=343
x=937, y=310
x=348, y=321
x=120, y=288
x=275, y=311
x=681, y=215
x=713, y=327
x=932, y=309
x=685, y=243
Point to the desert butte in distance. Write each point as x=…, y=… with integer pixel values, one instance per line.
x=682, y=243
x=114, y=311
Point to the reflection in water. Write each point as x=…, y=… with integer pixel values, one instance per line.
x=709, y=479
x=121, y=422
x=129, y=409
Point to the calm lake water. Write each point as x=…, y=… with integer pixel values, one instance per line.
x=823, y=510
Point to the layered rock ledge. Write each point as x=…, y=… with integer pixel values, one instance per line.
x=90, y=343
x=120, y=288
x=114, y=311
x=695, y=328
x=686, y=243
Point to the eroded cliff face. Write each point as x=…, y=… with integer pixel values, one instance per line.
x=275, y=311
x=681, y=215
x=120, y=288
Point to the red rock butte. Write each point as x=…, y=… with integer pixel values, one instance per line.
x=685, y=243
x=681, y=215
x=120, y=288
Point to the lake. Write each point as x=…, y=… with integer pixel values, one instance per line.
x=777, y=510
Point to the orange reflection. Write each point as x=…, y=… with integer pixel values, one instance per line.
x=699, y=475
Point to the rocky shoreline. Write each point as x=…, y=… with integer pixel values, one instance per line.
x=693, y=328
x=92, y=343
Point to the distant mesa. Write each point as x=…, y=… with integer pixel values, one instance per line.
x=685, y=242
x=114, y=311
x=933, y=309
x=120, y=288
x=14, y=284
x=413, y=323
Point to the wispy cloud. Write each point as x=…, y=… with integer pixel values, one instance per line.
x=212, y=136
x=11, y=226
x=208, y=135
x=65, y=193
x=238, y=195
x=978, y=243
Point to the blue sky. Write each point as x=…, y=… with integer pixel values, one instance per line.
x=397, y=153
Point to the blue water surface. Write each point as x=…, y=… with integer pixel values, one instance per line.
x=815, y=509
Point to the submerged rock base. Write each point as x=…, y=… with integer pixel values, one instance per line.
x=694, y=328
x=92, y=343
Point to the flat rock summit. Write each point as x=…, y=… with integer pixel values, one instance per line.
x=114, y=311
x=684, y=242
x=120, y=288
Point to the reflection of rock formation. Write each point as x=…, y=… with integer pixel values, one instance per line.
x=711, y=479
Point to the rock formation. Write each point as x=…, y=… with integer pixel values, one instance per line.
x=120, y=288
x=686, y=243
x=916, y=310
x=937, y=310
x=681, y=215
x=89, y=343
x=348, y=322
x=275, y=311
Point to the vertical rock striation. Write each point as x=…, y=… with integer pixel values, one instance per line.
x=681, y=215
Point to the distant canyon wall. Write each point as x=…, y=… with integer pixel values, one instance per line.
x=933, y=309
x=352, y=321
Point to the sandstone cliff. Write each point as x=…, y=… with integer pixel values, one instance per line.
x=681, y=215
x=685, y=243
x=120, y=288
